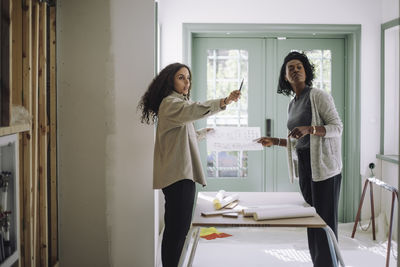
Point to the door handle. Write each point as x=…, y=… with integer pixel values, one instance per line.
x=268, y=127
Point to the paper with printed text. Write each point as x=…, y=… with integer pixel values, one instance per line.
x=234, y=139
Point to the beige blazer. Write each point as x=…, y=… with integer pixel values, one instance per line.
x=176, y=152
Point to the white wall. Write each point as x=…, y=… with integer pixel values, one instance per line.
x=105, y=62
x=390, y=10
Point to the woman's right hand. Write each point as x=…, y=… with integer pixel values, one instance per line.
x=233, y=96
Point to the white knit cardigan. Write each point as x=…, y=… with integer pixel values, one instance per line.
x=325, y=152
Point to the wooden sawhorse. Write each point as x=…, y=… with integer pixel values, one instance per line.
x=371, y=181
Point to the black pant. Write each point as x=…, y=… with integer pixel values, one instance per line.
x=179, y=200
x=324, y=197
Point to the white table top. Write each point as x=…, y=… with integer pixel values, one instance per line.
x=253, y=199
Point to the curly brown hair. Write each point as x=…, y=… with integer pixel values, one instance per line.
x=161, y=87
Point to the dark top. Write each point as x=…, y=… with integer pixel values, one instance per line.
x=300, y=115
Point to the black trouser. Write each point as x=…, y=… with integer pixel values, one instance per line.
x=324, y=197
x=179, y=199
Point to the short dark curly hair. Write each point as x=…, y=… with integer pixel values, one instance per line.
x=284, y=86
x=161, y=86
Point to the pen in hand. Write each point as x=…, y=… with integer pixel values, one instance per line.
x=240, y=88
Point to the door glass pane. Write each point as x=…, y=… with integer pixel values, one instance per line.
x=225, y=70
x=322, y=61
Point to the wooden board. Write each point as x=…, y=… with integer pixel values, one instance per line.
x=14, y=129
x=6, y=94
x=53, y=140
x=29, y=152
x=35, y=130
x=16, y=64
x=43, y=132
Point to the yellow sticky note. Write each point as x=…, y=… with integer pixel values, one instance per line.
x=208, y=231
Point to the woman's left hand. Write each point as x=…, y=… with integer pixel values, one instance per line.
x=300, y=131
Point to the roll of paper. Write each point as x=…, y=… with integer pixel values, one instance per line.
x=248, y=212
x=227, y=200
x=219, y=196
x=230, y=214
x=269, y=214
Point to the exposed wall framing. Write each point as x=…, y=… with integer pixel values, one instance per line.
x=28, y=67
x=5, y=94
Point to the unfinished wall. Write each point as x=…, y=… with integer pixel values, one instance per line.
x=83, y=51
x=105, y=61
x=130, y=144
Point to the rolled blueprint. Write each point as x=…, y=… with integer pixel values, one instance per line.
x=219, y=196
x=225, y=201
x=269, y=214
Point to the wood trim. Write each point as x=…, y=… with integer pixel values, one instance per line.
x=389, y=158
x=14, y=129
x=389, y=24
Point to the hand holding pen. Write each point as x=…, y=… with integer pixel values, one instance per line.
x=233, y=96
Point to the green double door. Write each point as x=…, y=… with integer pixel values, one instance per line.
x=219, y=65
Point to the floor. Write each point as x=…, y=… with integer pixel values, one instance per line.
x=252, y=247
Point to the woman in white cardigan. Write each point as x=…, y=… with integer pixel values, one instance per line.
x=314, y=148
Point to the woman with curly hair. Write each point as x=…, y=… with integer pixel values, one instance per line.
x=177, y=164
x=314, y=148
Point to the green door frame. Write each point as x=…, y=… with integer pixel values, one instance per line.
x=351, y=188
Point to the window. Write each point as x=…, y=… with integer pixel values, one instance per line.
x=225, y=71
x=323, y=68
x=322, y=61
x=390, y=89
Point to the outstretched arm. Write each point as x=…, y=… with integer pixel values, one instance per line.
x=178, y=111
x=272, y=141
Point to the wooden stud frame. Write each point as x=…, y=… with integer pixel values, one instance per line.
x=27, y=152
x=5, y=96
x=53, y=203
x=43, y=130
x=28, y=71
